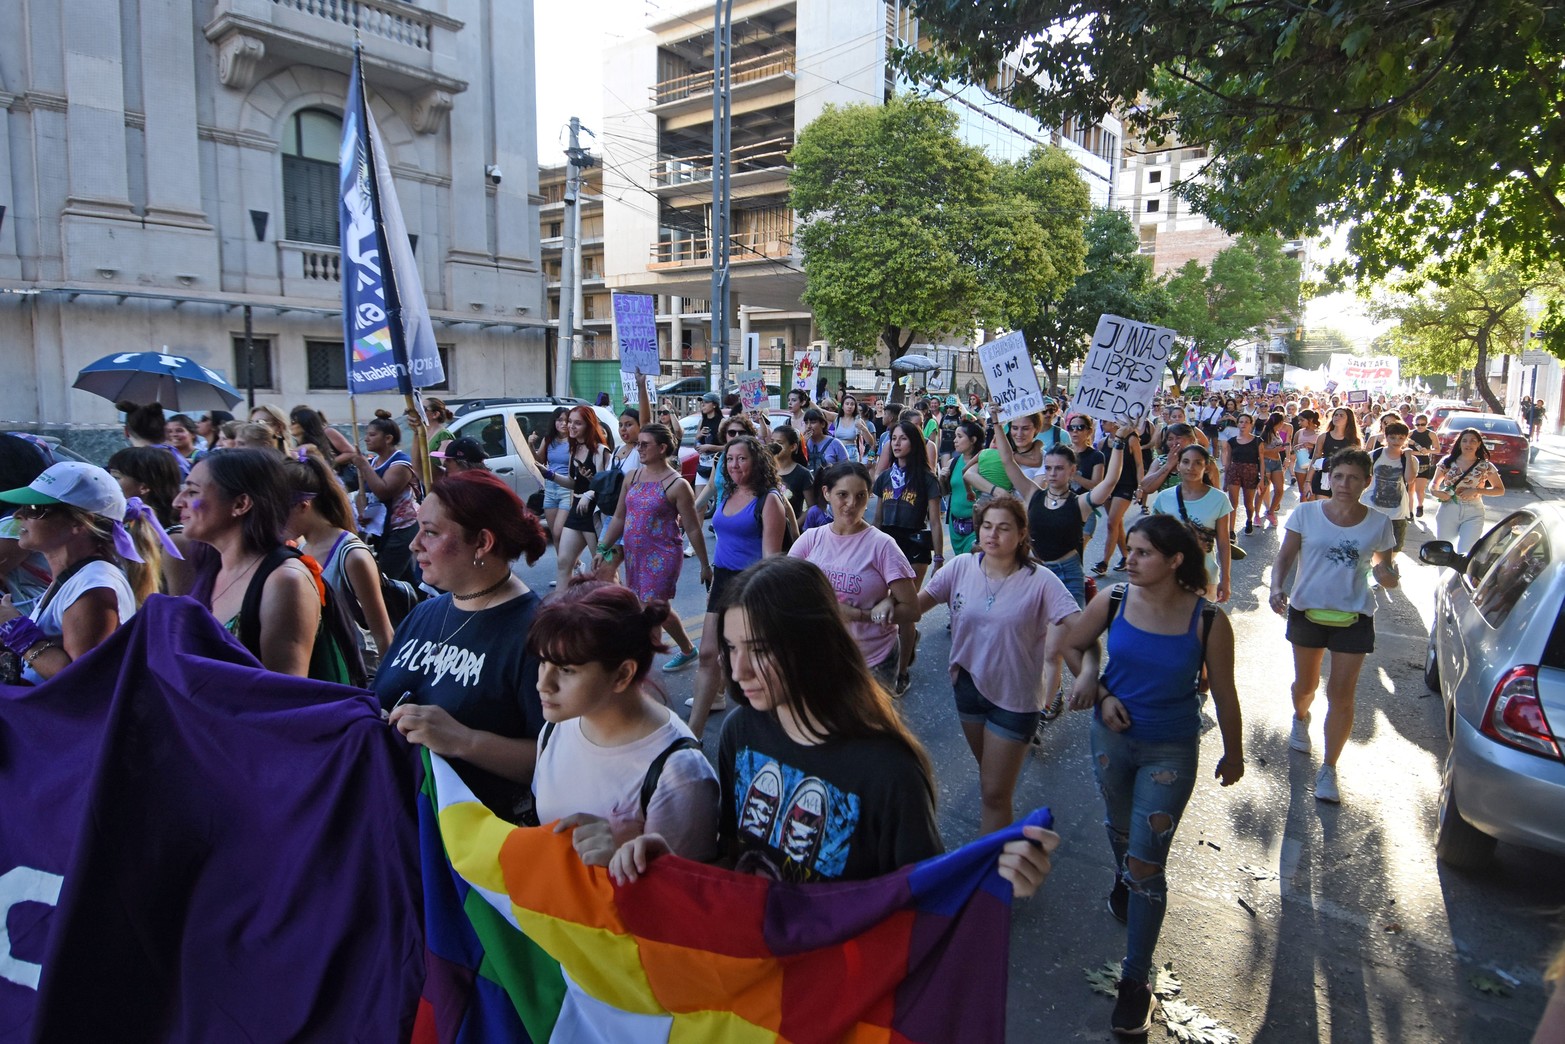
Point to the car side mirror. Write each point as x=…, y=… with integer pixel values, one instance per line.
x=1441, y=553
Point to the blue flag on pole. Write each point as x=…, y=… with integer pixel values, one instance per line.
x=388, y=338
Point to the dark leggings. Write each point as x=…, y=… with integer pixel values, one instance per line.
x=394, y=554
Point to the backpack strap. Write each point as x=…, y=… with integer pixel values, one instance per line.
x=655, y=770
x=544, y=734
x=250, y=608
x=1116, y=605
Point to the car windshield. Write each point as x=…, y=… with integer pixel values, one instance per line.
x=1493, y=425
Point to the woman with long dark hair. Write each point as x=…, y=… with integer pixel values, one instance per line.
x=1276, y=435
x=1242, y=469
x=821, y=780
x=1146, y=729
x=458, y=677
x=1342, y=434
x=1196, y=503
x=309, y=428
x=1461, y=480
x=552, y=447
x=907, y=496
x=792, y=472
x=749, y=522
x=388, y=496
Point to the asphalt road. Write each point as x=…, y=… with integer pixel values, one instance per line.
x=1289, y=920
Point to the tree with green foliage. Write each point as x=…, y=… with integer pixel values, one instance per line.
x=1434, y=128
x=907, y=232
x=1249, y=286
x=1450, y=320
x=1117, y=279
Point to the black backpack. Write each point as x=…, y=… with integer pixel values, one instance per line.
x=336, y=656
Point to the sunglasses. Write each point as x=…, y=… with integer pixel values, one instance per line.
x=27, y=511
x=1076, y=427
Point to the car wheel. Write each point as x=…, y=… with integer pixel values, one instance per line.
x=1458, y=843
x=1432, y=666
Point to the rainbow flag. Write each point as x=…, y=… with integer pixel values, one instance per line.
x=527, y=944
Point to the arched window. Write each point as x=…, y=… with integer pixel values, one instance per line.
x=310, y=146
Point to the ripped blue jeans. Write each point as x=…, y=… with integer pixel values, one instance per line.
x=1145, y=786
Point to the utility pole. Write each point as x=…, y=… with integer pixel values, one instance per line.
x=577, y=160
x=722, y=111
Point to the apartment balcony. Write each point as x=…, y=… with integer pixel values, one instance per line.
x=407, y=48
x=761, y=161
x=751, y=77
x=696, y=252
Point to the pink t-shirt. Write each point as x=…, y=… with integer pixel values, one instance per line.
x=998, y=627
x=861, y=569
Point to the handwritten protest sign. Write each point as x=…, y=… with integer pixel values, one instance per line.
x=804, y=366
x=627, y=388
x=1013, y=383
x=635, y=326
x=1123, y=368
x=752, y=388
x=1371, y=372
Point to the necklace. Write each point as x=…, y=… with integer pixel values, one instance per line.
x=242, y=574
x=491, y=589
x=1052, y=501
x=470, y=614
x=993, y=589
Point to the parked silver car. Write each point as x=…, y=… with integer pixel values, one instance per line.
x=1497, y=657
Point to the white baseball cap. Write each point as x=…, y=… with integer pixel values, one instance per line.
x=74, y=483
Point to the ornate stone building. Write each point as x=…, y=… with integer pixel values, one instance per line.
x=168, y=166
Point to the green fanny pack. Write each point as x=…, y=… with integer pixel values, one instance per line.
x=1331, y=617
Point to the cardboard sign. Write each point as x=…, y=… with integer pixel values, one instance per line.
x=1123, y=368
x=1358, y=395
x=1273, y=387
x=627, y=389
x=1008, y=370
x=1373, y=372
x=636, y=328
x=804, y=367
x=1331, y=386
x=752, y=389
x=523, y=450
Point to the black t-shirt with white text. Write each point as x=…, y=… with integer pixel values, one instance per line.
x=474, y=665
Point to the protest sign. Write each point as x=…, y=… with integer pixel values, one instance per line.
x=804, y=366
x=752, y=389
x=1273, y=387
x=1123, y=368
x=1256, y=384
x=1013, y=383
x=636, y=329
x=1372, y=372
x=627, y=388
x=1358, y=395
x=1331, y=386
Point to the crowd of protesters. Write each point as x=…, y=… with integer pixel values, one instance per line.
x=822, y=542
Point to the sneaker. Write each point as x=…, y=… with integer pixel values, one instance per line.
x=682, y=660
x=1420, y=511
x=1101, y=568
x=1037, y=735
x=690, y=552
x=1326, y=785
x=1054, y=707
x=1300, y=740
x=1249, y=526
x=718, y=705
x=903, y=681
x=1119, y=902
x=1119, y=567
x=1132, y=1009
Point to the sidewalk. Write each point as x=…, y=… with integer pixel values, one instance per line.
x=1546, y=471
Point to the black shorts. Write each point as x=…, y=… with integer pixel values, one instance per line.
x=916, y=544
x=1355, y=638
x=722, y=580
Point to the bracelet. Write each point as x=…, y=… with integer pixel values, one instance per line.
x=21, y=634
x=38, y=650
x=938, y=558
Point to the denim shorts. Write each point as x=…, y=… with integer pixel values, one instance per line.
x=1070, y=572
x=1355, y=638
x=973, y=706
x=1273, y=466
x=555, y=496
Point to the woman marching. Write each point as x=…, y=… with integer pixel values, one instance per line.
x=1305, y=433
x=1206, y=510
x=1276, y=435
x=1122, y=492
x=1461, y=481
x=1343, y=434
x=1146, y=729
x=851, y=430
x=872, y=577
x=1422, y=443
x=907, y=509
x=1056, y=520
x=1242, y=470
x=655, y=502
x=588, y=455
x=553, y=450
x=1004, y=614
x=964, y=477
x=1330, y=605
x=388, y=497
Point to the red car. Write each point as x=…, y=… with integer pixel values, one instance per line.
x=1438, y=415
x=1507, y=444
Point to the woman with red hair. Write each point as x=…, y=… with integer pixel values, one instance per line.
x=458, y=678
x=589, y=455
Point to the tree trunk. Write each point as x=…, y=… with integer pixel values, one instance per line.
x=1481, y=371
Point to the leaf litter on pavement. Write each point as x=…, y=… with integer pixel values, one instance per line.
x=1186, y=1022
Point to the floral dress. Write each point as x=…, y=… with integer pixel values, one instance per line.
x=654, y=543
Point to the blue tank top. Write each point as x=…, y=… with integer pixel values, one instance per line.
x=558, y=456
x=1154, y=676
x=738, y=537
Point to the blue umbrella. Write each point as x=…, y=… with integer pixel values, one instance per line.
x=171, y=380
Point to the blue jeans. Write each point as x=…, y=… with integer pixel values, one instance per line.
x=1070, y=572
x=1461, y=522
x=1145, y=788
